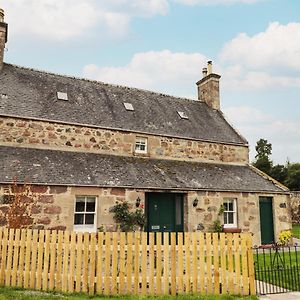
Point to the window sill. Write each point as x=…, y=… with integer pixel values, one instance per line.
x=232, y=230
x=141, y=154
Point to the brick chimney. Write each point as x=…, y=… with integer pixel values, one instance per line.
x=3, y=37
x=208, y=87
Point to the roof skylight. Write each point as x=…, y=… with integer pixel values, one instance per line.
x=128, y=106
x=182, y=115
x=62, y=96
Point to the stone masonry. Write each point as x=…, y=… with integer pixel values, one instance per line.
x=54, y=208
x=51, y=135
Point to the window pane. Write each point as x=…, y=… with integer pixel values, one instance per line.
x=225, y=206
x=79, y=205
x=89, y=219
x=90, y=206
x=78, y=219
x=230, y=218
x=225, y=218
x=230, y=206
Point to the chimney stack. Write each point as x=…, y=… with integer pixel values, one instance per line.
x=3, y=37
x=208, y=87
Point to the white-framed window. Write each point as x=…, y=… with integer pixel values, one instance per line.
x=85, y=214
x=230, y=213
x=140, y=145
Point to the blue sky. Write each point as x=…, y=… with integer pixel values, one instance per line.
x=162, y=45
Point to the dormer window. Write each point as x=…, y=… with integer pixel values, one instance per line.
x=141, y=145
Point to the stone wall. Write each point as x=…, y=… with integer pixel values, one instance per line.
x=46, y=135
x=295, y=206
x=54, y=208
x=248, y=219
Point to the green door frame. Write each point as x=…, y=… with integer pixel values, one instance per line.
x=177, y=228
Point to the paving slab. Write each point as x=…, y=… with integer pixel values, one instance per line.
x=284, y=296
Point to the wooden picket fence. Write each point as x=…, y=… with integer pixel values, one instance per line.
x=127, y=263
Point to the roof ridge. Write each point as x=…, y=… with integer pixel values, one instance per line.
x=101, y=82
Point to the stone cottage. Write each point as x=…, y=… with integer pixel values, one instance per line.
x=85, y=145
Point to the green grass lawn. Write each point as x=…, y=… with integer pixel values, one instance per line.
x=17, y=294
x=281, y=270
x=296, y=230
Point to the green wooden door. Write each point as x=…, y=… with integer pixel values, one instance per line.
x=164, y=212
x=266, y=220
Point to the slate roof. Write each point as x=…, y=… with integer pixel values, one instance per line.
x=32, y=94
x=89, y=169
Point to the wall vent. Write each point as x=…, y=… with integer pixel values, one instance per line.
x=62, y=96
x=128, y=106
x=183, y=115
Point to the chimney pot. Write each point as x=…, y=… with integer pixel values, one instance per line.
x=204, y=72
x=209, y=67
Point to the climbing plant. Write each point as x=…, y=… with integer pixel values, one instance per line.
x=128, y=220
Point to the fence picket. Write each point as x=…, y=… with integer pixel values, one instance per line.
x=107, y=242
x=99, y=272
x=92, y=265
x=173, y=264
x=216, y=256
x=136, y=262
x=208, y=263
x=15, y=259
x=166, y=263
x=158, y=263
x=46, y=261
x=151, y=263
x=245, y=266
x=237, y=253
x=231, y=274
x=195, y=262
x=79, y=245
x=66, y=257
x=59, y=260
x=187, y=243
x=180, y=263
x=72, y=262
x=201, y=263
x=85, y=263
x=129, y=263
x=114, y=266
x=40, y=259
x=53, y=256
x=144, y=263
x=251, y=265
x=33, y=259
x=223, y=263
x=21, y=258
x=122, y=265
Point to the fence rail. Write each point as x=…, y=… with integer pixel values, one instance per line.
x=127, y=263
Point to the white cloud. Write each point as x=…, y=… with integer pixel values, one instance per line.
x=278, y=46
x=255, y=124
x=267, y=59
x=216, y=2
x=65, y=19
x=163, y=71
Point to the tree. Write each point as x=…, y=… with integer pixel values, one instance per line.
x=293, y=177
x=262, y=160
x=280, y=173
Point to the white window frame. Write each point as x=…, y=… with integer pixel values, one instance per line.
x=141, y=141
x=234, y=211
x=86, y=227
